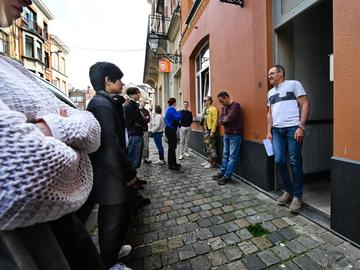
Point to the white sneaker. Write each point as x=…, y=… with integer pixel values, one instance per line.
x=186, y=154
x=124, y=251
x=160, y=162
x=208, y=166
x=181, y=157
x=204, y=163
x=120, y=266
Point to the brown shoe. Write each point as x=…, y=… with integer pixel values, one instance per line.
x=224, y=180
x=285, y=198
x=217, y=176
x=295, y=205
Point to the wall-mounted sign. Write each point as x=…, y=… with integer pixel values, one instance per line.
x=164, y=66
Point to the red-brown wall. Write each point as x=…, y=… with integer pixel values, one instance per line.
x=240, y=54
x=346, y=79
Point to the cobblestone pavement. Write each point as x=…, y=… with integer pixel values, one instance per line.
x=193, y=223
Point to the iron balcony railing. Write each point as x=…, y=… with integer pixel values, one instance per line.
x=158, y=25
x=33, y=27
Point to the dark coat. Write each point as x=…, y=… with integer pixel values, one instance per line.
x=134, y=119
x=111, y=166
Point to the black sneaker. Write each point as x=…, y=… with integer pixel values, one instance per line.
x=217, y=176
x=138, y=186
x=174, y=168
x=224, y=180
x=177, y=165
x=145, y=201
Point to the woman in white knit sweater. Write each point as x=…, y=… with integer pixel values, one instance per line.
x=45, y=172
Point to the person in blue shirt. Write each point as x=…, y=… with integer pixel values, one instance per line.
x=172, y=119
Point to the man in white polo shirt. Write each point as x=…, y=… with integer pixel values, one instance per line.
x=288, y=110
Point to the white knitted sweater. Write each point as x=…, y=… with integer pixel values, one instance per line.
x=41, y=178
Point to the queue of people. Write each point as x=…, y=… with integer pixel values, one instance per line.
x=69, y=160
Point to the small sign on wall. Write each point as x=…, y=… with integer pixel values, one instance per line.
x=164, y=66
x=331, y=64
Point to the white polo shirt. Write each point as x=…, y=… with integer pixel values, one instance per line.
x=285, y=108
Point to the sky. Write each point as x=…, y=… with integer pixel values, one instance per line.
x=106, y=30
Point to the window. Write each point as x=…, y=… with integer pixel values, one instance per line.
x=64, y=86
x=202, y=77
x=30, y=18
x=3, y=43
x=39, y=51
x=62, y=65
x=46, y=31
x=29, y=46
x=47, y=60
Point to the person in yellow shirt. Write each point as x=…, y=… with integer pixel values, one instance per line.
x=209, y=122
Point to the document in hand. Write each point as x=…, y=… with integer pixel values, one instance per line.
x=268, y=147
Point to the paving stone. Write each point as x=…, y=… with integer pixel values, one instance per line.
x=169, y=257
x=159, y=246
x=248, y=247
x=201, y=247
x=217, y=211
x=289, y=265
x=187, y=205
x=275, y=238
x=305, y=263
x=232, y=253
x=313, y=228
x=153, y=262
x=296, y=247
x=181, y=266
x=230, y=238
x=218, y=230
x=204, y=222
x=193, y=217
x=150, y=237
x=244, y=234
x=350, y=251
x=182, y=220
x=217, y=258
x=189, y=238
x=250, y=211
x=282, y=252
x=200, y=262
x=228, y=217
x=177, y=230
x=231, y=227
x=268, y=257
x=237, y=265
x=216, y=204
x=205, y=214
x=170, y=223
x=318, y=256
x=269, y=226
x=253, y=262
x=216, y=243
x=280, y=223
x=242, y=223
x=195, y=209
x=161, y=217
x=288, y=233
x=206, y=207
x=142, y=251
x=149, y=220
x=203, y=234
x=216, y=220
x=175, y=242
x=190, y=227
x=261, y=242
x=186, y=253
x=239, y=214
x=334, y=253
x=227, y=208
x=331, y=238
x=164, y=234
x=308, y=242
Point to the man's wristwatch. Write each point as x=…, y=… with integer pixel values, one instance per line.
x=302, y=127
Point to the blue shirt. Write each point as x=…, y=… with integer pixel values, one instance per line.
x=172, y=118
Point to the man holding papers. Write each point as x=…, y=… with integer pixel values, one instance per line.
x=288, y=110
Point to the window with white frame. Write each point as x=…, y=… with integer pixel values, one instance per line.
x=202, y=63
x=39, y=52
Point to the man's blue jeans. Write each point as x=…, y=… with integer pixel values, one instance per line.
x=283, y=139
x=135, y=149
x=231, y=154
x=158, y=142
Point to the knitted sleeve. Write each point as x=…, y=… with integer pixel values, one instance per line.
x=79, y=129
x=41, y=178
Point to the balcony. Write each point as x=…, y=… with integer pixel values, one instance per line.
x=32, y=27
x=158, y=25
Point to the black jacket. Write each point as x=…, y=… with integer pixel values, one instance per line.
x=111, y=166
x=134, y=119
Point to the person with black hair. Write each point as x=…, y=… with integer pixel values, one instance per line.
x=114, y=175
x=172, y=120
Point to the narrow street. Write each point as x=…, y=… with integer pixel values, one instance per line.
x=193, y=223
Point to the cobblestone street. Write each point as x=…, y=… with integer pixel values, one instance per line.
x=193, y=223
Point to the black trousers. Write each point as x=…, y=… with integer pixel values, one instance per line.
x=172, y=142
x=76, y=243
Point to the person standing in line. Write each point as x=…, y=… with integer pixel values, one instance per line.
x=146, y=114
x=185, y=128
x=157, y=130
x=288, y=111
x=209, y=123
x=172, y=119
x=231, y=119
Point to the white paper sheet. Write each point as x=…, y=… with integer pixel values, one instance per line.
x=268, y=147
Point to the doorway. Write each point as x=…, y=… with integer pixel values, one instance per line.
x=303, y=44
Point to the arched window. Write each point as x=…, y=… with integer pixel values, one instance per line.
x=202, y=77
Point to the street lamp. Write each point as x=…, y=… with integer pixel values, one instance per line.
x=154, y=46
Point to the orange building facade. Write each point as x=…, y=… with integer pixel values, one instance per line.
x=229, y=47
